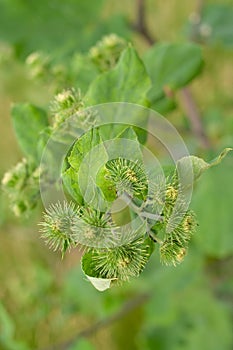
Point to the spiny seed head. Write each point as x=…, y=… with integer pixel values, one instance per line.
x=107, y=51
x=171, y=193
x=171, y=253
x=15, y=178
x=189, y=223
x=181, y=255
x=121, y=262
x=128, y=176
x=56, y=227
x=92, y=228
x=65, y=104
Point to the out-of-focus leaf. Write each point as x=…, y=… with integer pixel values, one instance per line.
x=82, y=344
x=7, y=330
x=77, y=18
x=213, y=202
x=192, y=321
x=171, y=66
x=82, y=72
x=29, y=121
x=127, y=82
x=216, y=27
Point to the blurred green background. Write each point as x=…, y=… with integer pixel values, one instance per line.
x=46, y=301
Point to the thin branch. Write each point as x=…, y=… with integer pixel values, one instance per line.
x=89, y=331
x=199, y=7
x=140, y=26
x=194, y=117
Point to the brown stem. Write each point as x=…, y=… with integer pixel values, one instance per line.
x=126, y=308
x=199, y=6
x=140, y=25
x=194, y=117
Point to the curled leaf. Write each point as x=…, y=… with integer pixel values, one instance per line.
x=195, y=166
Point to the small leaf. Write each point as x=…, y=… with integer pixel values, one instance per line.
x=187, y=165
x=28, y=122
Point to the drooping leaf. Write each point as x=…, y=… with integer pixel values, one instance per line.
x=197, y=166
x=29, y=121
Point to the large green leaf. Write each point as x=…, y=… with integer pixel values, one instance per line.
x=82, y=72
x=78, y=20
x=171, y=66
x=127, y=82
x=87, y=156
x=29, y=121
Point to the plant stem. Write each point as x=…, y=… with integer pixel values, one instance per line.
x=199, y=7
x=192, y=112
x=140, y=26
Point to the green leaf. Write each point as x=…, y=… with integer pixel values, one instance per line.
x=82, y=71
x=171, y=66
x=81, y=21
x=29, y=121
x=7, y=334
x=198, y=166
x=82, y=146
x=213, y=203
x=85, y=174
x=70, y=180
x=127, y=82
x=85, y=159
x=216, y=25
x=82, y=344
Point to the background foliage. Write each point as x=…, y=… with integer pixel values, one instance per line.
x=46, y=301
